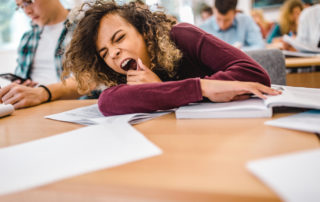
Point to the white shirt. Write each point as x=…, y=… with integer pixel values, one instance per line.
x=309, y=26
x=43, y=70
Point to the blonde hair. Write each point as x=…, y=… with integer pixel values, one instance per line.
x=286, y=24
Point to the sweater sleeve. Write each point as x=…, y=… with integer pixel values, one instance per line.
x=125, y=99
x=225, y=61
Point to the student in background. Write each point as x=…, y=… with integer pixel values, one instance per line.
x=152, y=63
x=264, y=25
x=288, y=21
x=309, y=27
x=206, y=12
x=233, y=27
x=40, y=56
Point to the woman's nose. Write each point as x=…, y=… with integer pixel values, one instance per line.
x=115, y=53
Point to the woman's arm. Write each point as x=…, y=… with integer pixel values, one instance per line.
x=125, y=99
x=210, y=53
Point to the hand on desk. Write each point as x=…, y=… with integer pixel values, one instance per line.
x=21, y=96
x=225, y=91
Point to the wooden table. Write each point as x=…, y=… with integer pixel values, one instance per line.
x=202, y=160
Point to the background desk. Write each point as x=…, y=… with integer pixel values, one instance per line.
x=303, y=79
x=202, y=160
x=302, y=62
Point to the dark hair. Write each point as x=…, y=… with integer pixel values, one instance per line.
x=207, y=9
x=224, y=6
x=86, y=65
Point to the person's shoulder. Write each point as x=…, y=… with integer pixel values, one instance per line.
x=312, y=10
x=185, y=28
x=243, y=18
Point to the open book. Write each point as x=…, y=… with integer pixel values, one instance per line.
x=291, y=97
x=303, y=49
x=90, y=115
x=6, y=109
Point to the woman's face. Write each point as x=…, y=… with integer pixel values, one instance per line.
x=295, y=13
x=120, y=45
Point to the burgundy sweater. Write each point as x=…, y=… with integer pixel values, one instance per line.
x=204, y=56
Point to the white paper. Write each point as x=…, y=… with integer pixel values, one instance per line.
x=294, y=177
x=295, y=97
x=299, y=46
x=4, y=82
x=69, y=154
x=90, y=115
x=6, y=109
x=307, y=121
x=299, y=54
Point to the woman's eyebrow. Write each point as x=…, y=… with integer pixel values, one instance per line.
x=115, y=34
x=112, y=40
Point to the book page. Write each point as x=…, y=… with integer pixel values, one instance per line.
x=294, y=177
x=6, y=109
x=299, y=46
x=308, y=121
x=295, y=97
x=253, y=107
x=69, y=154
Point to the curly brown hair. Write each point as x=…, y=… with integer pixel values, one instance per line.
x=86, y=65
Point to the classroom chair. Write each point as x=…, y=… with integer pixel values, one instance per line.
x=273, y=61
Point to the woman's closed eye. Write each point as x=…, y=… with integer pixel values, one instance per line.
x=120, y=38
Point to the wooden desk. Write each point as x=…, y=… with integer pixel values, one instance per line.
x=202, y=160
x=302, y=62
x=304, y=79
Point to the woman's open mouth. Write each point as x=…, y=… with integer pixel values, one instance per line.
x=129, y=64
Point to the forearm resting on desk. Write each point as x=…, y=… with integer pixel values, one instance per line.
x=21, y=96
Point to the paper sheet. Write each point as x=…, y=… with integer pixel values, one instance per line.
x=6, y=109
x=90, y=115
x=69, y=154
x=308, y=121
x=295, y=177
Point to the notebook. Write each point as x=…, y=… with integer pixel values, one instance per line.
x=255, y=107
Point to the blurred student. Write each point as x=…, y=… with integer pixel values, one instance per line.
x=206, y=12
x=233, y=27
x=309, y=27
x=264, y=25
x=40, y=56
x=288, y=21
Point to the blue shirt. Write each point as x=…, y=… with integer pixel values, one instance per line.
x=243, y=30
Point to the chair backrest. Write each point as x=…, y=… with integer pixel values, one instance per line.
x=272, y=60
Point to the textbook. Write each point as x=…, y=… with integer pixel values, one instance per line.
x=6, y=110
x=296, y=97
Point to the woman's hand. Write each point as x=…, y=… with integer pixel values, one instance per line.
x=225, y=91
x=142, y=75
